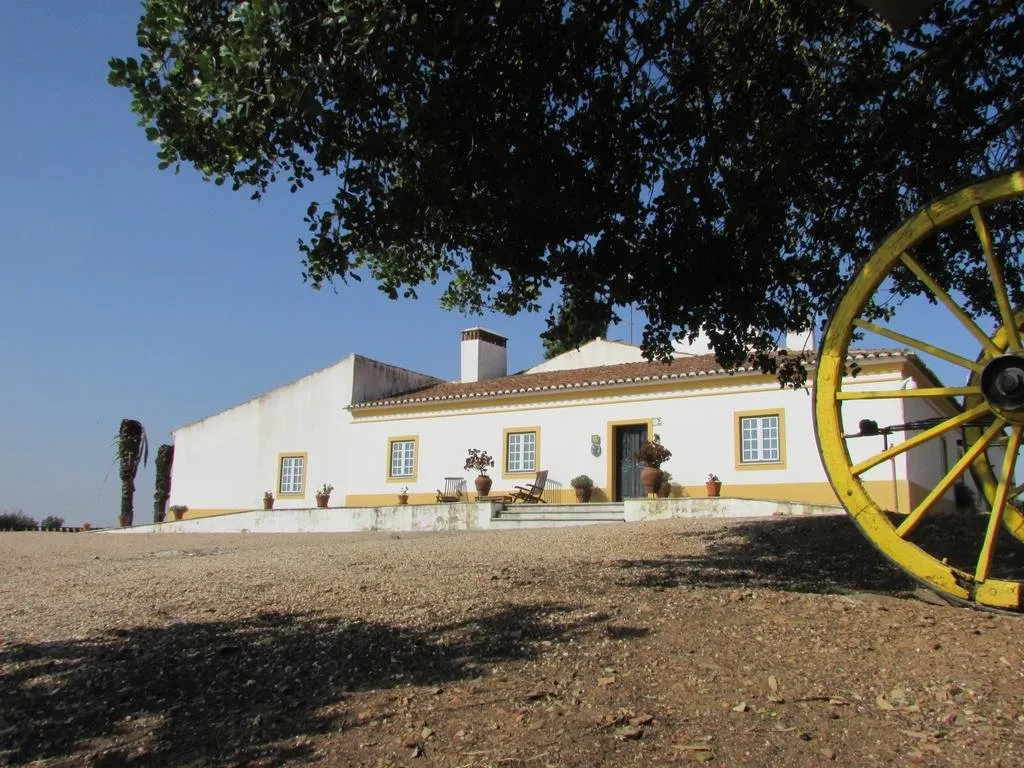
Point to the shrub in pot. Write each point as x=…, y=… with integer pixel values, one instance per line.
x=481, y=461
x=653, y=454
x=323, y=496
x=713, y=485
x=583, y=486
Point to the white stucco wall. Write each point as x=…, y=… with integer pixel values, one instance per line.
x=697, y=425
x=604, y=352
x=930, y=461
x=593, y=353
x=228, y=460
x=429, y=517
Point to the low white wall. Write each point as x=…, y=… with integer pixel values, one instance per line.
x=425, y=517
x=664, y=509
x=470, y=517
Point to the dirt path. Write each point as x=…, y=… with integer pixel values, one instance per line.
x=770, y=643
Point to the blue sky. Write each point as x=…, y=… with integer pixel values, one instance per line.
x=131, y=292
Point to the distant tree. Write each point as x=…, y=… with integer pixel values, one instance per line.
x=164, y=461
x=52, y=523
x=722, y=166
x=132, y=449
x=16, y=521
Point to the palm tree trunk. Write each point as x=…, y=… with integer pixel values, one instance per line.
x=164, y=461
x=127, y=502
x=132, y=447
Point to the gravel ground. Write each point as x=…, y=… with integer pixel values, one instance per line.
x=745, y=643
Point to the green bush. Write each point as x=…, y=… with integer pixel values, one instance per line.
x=16, y=521
x=52, y=523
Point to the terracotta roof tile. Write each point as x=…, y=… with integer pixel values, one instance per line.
x=620, y=374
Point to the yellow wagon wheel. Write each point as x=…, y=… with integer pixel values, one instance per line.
x=985, y=476
x=987, y=412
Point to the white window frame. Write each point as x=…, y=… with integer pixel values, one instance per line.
x=402, y=458
x=291, y=481
x=521, y=451
x=761, y=439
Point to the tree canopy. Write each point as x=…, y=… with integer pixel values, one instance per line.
x=723, y=166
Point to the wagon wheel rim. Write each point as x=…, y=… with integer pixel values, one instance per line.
x=991, y=405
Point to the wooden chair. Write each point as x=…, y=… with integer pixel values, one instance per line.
x=531, y=494
x=454, y=487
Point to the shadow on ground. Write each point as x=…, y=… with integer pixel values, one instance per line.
x=231, y=691
x=814, y=554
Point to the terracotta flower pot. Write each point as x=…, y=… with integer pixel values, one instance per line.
x=664, y=490
x=651, y=478
x=322, y=501
x=268, y=503
x=403, y=499
x=483, y=485
x=714, y=487
x=583, y=494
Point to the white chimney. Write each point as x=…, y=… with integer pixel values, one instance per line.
x=484, y=355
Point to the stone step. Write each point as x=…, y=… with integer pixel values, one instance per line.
x=500, y=523
x=538, y=514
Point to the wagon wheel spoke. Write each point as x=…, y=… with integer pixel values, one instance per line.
x=998, y=505
x=939, y=429
x=926, y=504
x=886, y=394
x=996, y=276
x=918, y=344
x=966, y=320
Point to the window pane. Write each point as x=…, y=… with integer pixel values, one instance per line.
x=521, y=451
x=770, y=438
x=529, y=459
x=291, y=474
x=759, y=439
x=402, y=458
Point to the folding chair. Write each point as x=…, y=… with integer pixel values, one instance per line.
x=454, y=487
x=531, y=494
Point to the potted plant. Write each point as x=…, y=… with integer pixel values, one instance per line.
x=268, y=500
x=86, y=526
x=403, y=496
x=713, y=484
x=178, y=510
x=323, y=496
x=653, y=454
x=481, y=461
x=665, y=489
x=584, y=487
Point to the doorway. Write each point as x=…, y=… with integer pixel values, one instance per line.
x=626, y=440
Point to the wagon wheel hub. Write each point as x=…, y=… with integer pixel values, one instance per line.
x=1002, y=383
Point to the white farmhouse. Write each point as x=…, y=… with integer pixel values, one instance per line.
x=373, y=430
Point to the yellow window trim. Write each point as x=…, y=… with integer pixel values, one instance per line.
x=609, y=448
x=305, y=473
x=505, y=474
x=415, y=440
x=738, y=417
